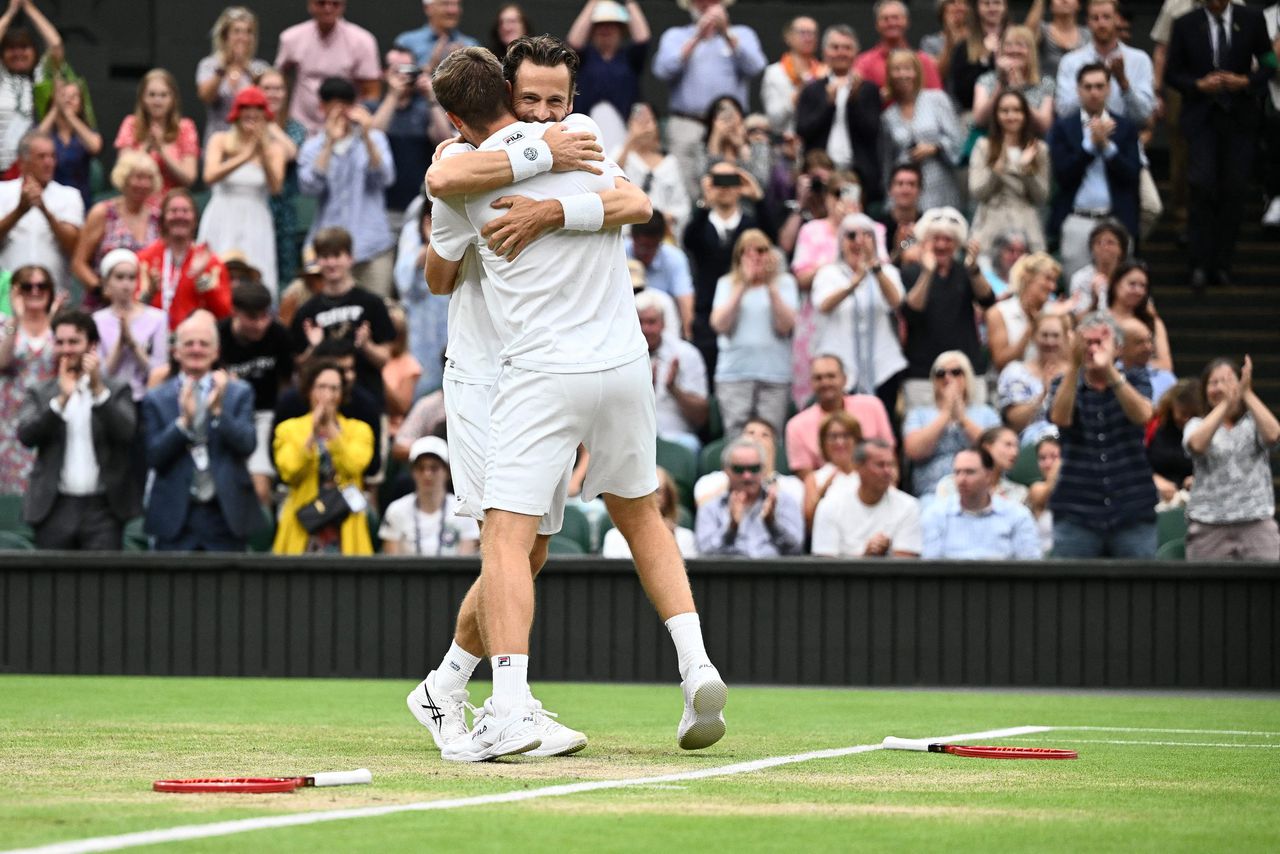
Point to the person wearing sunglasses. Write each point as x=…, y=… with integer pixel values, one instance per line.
x=753, y=519
x=932, y=435
x=27, y=358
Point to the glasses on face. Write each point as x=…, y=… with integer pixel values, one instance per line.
x=740, y=469
x=943, y=373
x=756, y=250
x=838, y=437
x=37, y=286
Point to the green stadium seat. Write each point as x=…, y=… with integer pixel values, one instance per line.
x=681, y=464
x=1171, y=525
x=1172, y=550
x=561, y=545
x=12, y=541
x=305, y=208
x=715, y=425
x=375, y=522
x=576, y=529
x=264, y=538
x=11, y=512
x=135, y=538
x=684, y=517
x=709, y=459
x=1025, y=471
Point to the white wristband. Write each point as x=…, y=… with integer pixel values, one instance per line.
x=532, y=158
x=583, y=212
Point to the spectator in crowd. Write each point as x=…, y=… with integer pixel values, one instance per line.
x=715, y=484
x=245, y=167
x=329, y=46
x=700, y=62
x=349, y=167
x=1129, y=295
x=1104, y=503
x=1049, y=462
x=1009, y=174
x=426, y=313
x=426, y=418
x=869, y=516
x=1060, y=34
x=977, y=56
x=21, y=67
x=752, y=519
x=401, y=372
x=612, y=69
x=1017, y=70
x=316, y=451
x=666, y=268
x=615, y=545
x=839, y=112
x=679, y=377
x=178, y=274
x=753, y=313
x=1108, y=246
x=76, y=141
x=941, y=295
x=509, y=24
x=651, y=168
x=920, y=126
x=81, y=425
x=343, y=309
x=256, y=350
x=1231, y=514
x=229, y=69
x=42, y=218
x=727, y=142
x=413, y=123
x=1136, y=355
x=1220, y=79
x=1023, y=385
x=301, y=289
x=439, y=36
x=783, y=80
x=1271, y=129
x=426, y=522
x=157, y=128
x=802, y=195
x=838, y=435
x=1095, y=159
x=1130, y=93
x=132, y=339
x=902, y=211
x=1001, y=443
x=955, y=19
x=289, y=134
x=976, y=524
x=1003, y=251
x=670, y=313
x=892, y=23
x=931, y=435
x=829, y=382
x=1171, y=468
x=1011, y=322
x=1169, y=103
x=709, y=240
x=198, y=430
x=27, y=359
x=856, y=300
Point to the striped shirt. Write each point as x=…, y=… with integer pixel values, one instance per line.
x=1105, y=479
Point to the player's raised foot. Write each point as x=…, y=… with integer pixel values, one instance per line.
x=492, y=736
x=704, y=697
x=444, y=714
x=557, y=739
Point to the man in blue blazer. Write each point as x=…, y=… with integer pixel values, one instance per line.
x=199, y=433
x=1095, y=166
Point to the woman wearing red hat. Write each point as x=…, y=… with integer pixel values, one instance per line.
x=244, y=166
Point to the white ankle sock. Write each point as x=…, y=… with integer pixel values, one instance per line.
x=510, y=683
x=455, y=669
x=686, y=632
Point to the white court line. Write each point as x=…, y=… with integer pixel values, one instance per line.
x=1168, y=743
x=1176, y=731
x=226, y=828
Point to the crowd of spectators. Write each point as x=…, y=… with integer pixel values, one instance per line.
x=899, y=312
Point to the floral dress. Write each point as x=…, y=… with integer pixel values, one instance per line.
x=285, y=215
x=33, y=362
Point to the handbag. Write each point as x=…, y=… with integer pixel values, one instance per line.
x=329, y=507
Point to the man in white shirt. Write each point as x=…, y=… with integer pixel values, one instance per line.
x=426, y=521
x=869, y=517
x=573, y=372
x=780, y=87
x=42, y=218
x=1132, y=93
x=679, y=376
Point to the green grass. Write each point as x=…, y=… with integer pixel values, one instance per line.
x=78, y=754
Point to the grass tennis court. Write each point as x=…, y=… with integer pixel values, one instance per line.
x=78, y=755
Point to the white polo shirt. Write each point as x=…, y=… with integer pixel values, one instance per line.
x=842, y=524
x=31, y=240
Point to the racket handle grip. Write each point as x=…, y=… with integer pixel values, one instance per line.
x=892, y=742
x=342, y=778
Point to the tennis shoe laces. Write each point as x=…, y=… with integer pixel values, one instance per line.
x=442, y=713
x=492, y=736
x=557, y=739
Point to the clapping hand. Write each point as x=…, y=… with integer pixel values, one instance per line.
x=314, y=333
x=770, y=504
x=187, y=403
x=91, y=366
x=878, y=545
x=362, y=336
x=1246, y=377
x=220, y=380
x=737, y=506
x=672, y=373
x=972, y=250
x=68, y=376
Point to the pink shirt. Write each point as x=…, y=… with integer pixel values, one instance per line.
x=186, y=145
x=803, y=453
x=816, y=246
x=871, y=63
x=347, y=51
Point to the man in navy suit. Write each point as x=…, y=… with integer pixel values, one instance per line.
x=199, y=435
x=1095, y=166
x=1211, y=62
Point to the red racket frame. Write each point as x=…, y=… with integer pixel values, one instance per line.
x=244, y=785
x=1003, y=752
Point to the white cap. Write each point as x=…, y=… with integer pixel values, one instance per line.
x=114, y=259
x=609, y=12
x=433, y=445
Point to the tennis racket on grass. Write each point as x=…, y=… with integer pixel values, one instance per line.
x=259, y=785
x=979, y=751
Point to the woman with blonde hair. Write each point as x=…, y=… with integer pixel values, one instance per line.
x=920, y=127
x=615, y=545
x=753, y=313
x=157, y=128
x=130, y=221
x=932, y=435
x=1017, y=70
x=230, y=68
x=1011, y=321
x=1024, y=383
x=1009, y=175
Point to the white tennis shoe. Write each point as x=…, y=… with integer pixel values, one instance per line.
x=442, y=713
x=492, y=736
x=705, y=695
x=557, y=739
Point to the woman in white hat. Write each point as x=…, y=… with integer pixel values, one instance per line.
x=134, y=338
x=611, y=68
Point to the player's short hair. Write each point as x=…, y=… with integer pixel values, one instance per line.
x=334, y=240
x=80, y=320
x=469, y=84
x=250, y=297
x=546, y=51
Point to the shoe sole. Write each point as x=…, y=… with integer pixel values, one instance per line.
x=414, y=702
x=708, y=725
x=511, y=747
x=572, y=748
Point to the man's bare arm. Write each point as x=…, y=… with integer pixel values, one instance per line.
x=483, y=171
x=527, y=220
x=442, y=274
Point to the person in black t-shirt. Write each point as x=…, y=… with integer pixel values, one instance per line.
x=256, y=349
x=344, y=310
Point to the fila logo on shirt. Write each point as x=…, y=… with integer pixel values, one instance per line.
x=504, y=661
x=515, y=137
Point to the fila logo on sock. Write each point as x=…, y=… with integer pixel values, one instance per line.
x=504, y=661
x=454, y=667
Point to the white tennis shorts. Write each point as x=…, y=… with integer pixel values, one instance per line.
x=538, y=419
x=466, y=409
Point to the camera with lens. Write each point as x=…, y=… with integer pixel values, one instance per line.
x=408, y=69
